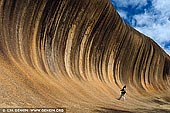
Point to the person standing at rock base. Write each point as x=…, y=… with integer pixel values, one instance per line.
x=123, y=92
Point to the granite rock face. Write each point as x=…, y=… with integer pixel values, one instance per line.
x=78, y=54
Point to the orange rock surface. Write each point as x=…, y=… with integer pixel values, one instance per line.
x=78, y=54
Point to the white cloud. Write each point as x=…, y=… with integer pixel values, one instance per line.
x=153, y=22
x=123, y=14
x=159, y=33
x=143, y=20
x=133, y=3
x=162, y=5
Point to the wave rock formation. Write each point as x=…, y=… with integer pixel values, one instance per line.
x=78, y=54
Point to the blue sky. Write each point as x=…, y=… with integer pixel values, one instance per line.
x=150, y=17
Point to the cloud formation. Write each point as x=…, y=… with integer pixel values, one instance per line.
x=151, y=17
